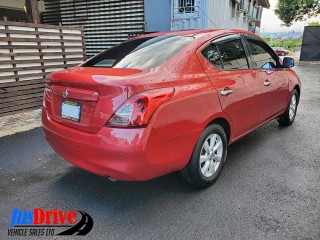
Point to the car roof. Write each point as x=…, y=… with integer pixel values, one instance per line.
x=187, y=33
x=197, y=32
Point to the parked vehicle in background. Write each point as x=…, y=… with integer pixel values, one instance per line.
x=167, y=102
x=281, y=51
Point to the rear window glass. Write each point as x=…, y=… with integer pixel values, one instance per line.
x=141, y=53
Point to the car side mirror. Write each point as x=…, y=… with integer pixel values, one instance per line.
x=288, y=62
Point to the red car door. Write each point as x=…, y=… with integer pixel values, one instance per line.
x=227, y=66
x=272, y=77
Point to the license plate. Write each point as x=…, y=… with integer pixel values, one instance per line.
x=71, y=110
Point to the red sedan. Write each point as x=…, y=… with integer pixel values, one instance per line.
x=167, y=102
x=281, y=51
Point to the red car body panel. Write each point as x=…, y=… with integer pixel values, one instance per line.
x=245, y=101
x=274, y=97
x=167, y=142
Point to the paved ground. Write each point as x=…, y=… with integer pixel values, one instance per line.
x=20, y=122
x=269, y=188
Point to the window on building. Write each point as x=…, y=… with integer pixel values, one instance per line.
x=262, y=56
x=227, y=55
x=186, y=6
x=243, y=3
x=233, y=9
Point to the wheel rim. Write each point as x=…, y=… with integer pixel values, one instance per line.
x=292, y=107
x=211, y=155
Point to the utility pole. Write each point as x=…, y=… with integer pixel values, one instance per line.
x=32, y=11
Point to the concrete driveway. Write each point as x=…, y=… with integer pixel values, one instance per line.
x=269, y=188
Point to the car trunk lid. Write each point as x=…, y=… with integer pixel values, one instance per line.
x=85, y=98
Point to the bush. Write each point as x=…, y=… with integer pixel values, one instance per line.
x=314, y=24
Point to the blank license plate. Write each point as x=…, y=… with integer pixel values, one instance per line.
x=71, y=110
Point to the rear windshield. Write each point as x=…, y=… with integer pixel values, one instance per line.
x=141, y=53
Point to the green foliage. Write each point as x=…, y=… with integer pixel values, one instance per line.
x=314, y=24
x=267, y=39
x=285, y=43
x=296, y=10
x=289, y=43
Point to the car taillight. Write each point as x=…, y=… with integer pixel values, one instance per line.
x=138, y=110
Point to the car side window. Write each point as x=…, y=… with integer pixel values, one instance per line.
x=262, y=58
x=212, y=54
x=227, y=54
x=233, y=55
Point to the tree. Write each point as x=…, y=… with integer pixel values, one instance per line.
x=314, y=24
x=296, y=10
x=267, y=38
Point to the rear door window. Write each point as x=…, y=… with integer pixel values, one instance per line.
x=227, y=53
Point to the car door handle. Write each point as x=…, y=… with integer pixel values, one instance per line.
x=266, y=83
x=226, y=92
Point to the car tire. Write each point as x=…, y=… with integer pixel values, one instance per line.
x=287, y=118
x=283, y=54
x=209, y=154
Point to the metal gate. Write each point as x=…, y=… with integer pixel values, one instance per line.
x=186, y=14
x=310, y=50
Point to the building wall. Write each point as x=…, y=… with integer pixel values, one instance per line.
x=14, y=11
x=13, y=15
x=221, y=13
x=19, y=4
x=216, y=14
x=157, y=15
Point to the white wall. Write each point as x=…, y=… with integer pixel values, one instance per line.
x=215, y=14
x=220, y=12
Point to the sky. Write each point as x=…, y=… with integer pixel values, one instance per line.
x=271, y=23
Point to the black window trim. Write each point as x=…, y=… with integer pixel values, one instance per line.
x=271, y=52
x=218, y=50
x=229, y=37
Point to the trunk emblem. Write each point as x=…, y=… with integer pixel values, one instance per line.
x=65, y=93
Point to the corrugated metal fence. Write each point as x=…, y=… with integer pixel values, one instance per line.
x=106, y=22
x=28, y=52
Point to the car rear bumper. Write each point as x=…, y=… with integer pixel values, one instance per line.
x=134, y=154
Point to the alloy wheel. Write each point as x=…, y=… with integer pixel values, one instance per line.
x=292, y=107
x=211, y=155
